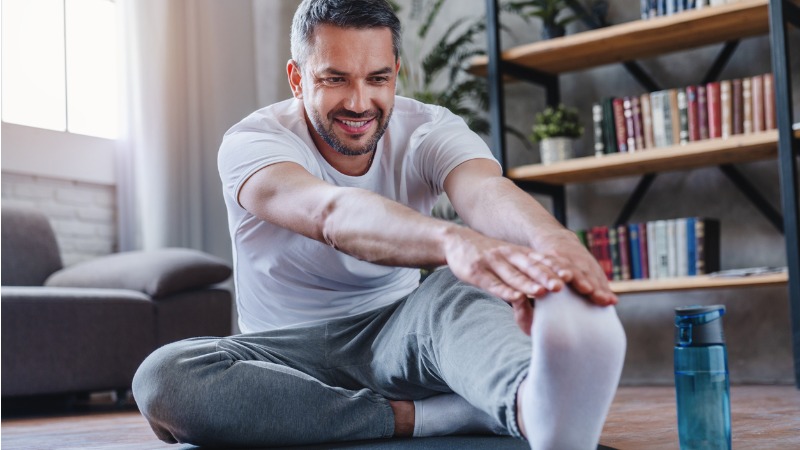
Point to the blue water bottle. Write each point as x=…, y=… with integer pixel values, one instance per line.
x=701, y=378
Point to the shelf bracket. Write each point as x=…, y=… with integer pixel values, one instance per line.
x=635, y=198
x=546, y=80
x=792, y=13
x=721, y=61
x=743, y=184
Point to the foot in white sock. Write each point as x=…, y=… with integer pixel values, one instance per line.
x=576, y=362
x=448, y=414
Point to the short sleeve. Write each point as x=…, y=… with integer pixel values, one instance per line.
x=443, y=144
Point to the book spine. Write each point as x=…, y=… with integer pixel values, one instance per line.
x=747, y=106
x=652, y=262
x=581, y=235
x=597, y=122
x=702, y=112
x=699, y=245
x=613, y=250
x=619, y=125
x=672, y=249
x=769, y=103
x=644, y=252
x=624, y=252
x=638, y=132
x=645, y=9
x=726, y=108
x=758, y=103
x=683, y=117
x=635, y=251
x=691, y=250
x=657, y=104
x=691, y=112
x=736, y=93
x=681, y=248
x=627, y=111
x=609, y=130
x=661, y=249
x=647, y=121
x=711, y=241
x=605, y=251
x=667, y=112
x=675, y=118
x=714, y=110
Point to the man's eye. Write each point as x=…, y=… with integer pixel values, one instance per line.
x=334, y=80
x=380, y=79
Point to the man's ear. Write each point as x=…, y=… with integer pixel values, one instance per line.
x=295, y=78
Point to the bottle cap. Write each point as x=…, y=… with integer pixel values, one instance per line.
x=699, y=325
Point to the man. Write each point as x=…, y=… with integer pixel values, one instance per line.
x=328, y=197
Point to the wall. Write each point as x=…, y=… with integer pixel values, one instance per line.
x=757, y=323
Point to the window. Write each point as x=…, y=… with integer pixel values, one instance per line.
x=59, y=65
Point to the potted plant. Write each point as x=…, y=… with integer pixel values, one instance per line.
x=549, y=11
x=555, y=129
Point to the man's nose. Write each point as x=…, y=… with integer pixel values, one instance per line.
x=358, y=100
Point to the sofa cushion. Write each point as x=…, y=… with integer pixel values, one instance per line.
x=30, y=251
x=157, y=273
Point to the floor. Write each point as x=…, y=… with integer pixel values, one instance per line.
x=763, y=417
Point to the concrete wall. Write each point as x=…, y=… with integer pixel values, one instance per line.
x=757, y=323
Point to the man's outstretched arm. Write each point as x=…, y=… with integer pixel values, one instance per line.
x=373, y=228
x=494, y=206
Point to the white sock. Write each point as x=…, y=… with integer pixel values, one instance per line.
x=576, y=362
x=447, y=414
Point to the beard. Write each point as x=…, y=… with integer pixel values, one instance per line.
x=326, y=130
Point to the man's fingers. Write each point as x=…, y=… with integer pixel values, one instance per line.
x=536, y=271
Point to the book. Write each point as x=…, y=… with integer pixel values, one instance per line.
x=661, y=250
x=726, y=108
x=619, y=125
x=635, y=251
x=702, y=112
x=647, y=120
x=713, y=102
x=603, y=250
x=581, y=234
x=769, y=103
x=597, y=127
x=681, y=248
x=683, y=117
x=737, y=118
x=644, y=253
x=638, y=132
x=747, y=106
x=691, y=113
x=707, y=237
x=672, y=249
x=609, y=130
x=758, y=103
x=691, y=249
x=674, y=114
x=613, y=250
x=624, y=252
x=659, y=126
x=652, y=264
x=627, y=110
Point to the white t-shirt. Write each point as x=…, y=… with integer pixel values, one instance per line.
x=283, y=278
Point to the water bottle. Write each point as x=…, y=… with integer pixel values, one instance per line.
x=701, y=379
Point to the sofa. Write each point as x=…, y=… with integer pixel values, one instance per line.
x=87, y=327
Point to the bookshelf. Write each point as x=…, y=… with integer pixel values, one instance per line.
x=542, y=62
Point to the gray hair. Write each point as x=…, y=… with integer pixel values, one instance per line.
x=357, y=14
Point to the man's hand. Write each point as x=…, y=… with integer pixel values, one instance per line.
x=511, y=272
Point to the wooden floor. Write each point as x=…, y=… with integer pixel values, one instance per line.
x=763, y=417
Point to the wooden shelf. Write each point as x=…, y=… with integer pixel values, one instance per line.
x=698, y=282
x=712, y=152
x=639, y=39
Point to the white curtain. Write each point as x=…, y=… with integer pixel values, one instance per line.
x=190, y=74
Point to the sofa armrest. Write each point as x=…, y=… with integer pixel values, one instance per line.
x=157, y=273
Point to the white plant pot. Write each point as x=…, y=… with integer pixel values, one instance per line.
x=556, y=149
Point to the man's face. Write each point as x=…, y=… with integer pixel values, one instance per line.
x=347, y=86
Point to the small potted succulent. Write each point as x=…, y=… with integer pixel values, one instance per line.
x=555, y=129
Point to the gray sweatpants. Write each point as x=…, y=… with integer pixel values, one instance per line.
x=331, y=382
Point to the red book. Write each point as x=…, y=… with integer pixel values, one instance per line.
x=738, y=110
x=618, y=106
x=624, y=252
x=769, y=103
x=638, y=127
x=702, y=112
x=694, y=125
x=757, y=87
x=643, y=250
x=714, y=103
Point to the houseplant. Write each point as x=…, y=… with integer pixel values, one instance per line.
x=555, y=129
x=552, y=13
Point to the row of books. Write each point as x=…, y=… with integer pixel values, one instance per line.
x=657, y=249
x=718, y=109
x=657, y=8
